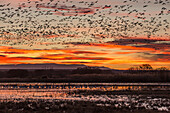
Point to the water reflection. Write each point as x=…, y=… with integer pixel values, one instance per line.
x=33, y=92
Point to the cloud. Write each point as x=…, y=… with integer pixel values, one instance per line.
x=72, y=57
x=13, y=60
x=74, y=10
x=12, y=52
x=157, y=46
x=85, y=58
x=141, y=43
x=88, y=52
x=107, y=54
x=163, y=56
x=136, y=41
x=2, y=56
x=155, y=58
x=122, y=47
x=67, y=10
x=41, y=56
x=124, y=52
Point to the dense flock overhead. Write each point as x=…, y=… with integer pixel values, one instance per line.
x=62, y=23
x=111, y=33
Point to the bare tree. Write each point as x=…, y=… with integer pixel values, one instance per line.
x=162, y=69
x=145, y=67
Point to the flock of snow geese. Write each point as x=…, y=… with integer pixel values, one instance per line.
x=63, y=22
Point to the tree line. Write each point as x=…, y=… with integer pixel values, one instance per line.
x=140, y=73
x=146, y=67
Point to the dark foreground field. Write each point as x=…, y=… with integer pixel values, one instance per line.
x=110, y=76
x=94, y=102
x=68, y=107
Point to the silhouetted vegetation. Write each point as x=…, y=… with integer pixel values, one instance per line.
x=141, y=73
x=162, y=69
x=161, y=74
x=141, y=68
x=21, y=73
x=87, y=70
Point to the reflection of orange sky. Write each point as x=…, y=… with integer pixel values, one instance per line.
x=109, y=55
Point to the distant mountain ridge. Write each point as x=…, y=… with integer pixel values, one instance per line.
x=46, y=66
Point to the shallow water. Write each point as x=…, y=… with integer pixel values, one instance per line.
x=32, y=92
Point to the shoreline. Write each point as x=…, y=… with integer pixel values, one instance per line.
x=65, y=80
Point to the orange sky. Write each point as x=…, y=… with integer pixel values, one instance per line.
x=109, y=55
